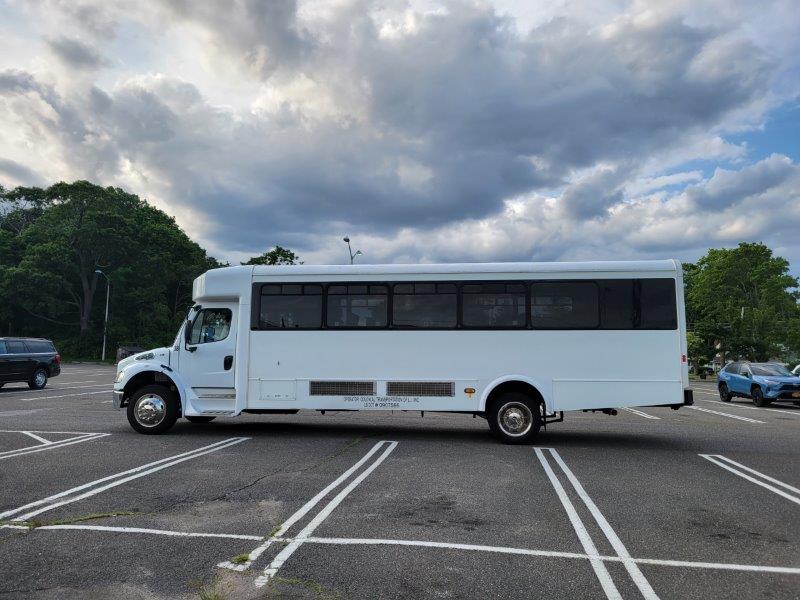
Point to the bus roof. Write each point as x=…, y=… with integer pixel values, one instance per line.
x=232, y=282
x=669, y=265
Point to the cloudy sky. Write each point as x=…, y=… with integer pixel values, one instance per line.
x=425, y=130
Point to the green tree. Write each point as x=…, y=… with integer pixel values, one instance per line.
x=276, y=256
x=742, y=302
x=53, y=240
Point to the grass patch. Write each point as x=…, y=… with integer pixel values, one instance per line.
x=240, y=559
x=312, y=586
x=274, y=531
x=208, y=591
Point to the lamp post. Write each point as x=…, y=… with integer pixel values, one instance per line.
x=105, y=323
x=350, y=250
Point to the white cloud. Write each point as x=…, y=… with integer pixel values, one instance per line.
x=432, y=131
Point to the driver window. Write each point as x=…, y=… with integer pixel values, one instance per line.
x=211, y=325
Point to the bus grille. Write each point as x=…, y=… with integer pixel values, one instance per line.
x=420, y=388
x=341, y=388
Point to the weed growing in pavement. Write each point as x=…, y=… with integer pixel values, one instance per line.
x=240, y=559
x=312, y=586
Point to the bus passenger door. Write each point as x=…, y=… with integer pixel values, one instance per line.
x=209, y=362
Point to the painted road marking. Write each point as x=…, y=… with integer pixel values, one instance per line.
x=635, y=573
x=108, y=391
x=722, y=414
x=166, y=532
x=794, y=413
x=301, y=512
x=116, y=479
x=421, y=544
x=306, y=532
x=640, y=413
x=51, y=445
x=71, y=387
x=599, y=567
x=738, y=469
x=38, y=438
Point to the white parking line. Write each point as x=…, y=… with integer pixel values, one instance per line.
x=638, y=577
x=722, y=414
x=640, y=413
x=65, y=395
x=300, y=513
x=38, y=438
x=192, y=534
x=603, y=576
x=117, y=479
x=306, y=532
x=794, y=413
x=421, y=544
x=555, y=554
x=718, y=458
x=51, y=445
x=71, y=387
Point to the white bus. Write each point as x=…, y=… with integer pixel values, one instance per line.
x=519, y=344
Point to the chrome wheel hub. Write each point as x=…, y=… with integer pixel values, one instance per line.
x=515, y=419
x=39, y=379
x=150, y=410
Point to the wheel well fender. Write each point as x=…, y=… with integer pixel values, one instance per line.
x=144, y=378
x=514, y=383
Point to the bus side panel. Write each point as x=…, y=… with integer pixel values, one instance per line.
x=578, y=395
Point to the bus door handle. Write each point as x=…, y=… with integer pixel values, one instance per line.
x=228, y=363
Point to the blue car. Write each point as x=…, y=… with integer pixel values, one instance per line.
x=763, y=382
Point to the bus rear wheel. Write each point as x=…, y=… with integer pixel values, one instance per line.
x=153, y=409
x=514, y=418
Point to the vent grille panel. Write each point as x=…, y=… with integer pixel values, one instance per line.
x=420, y=388
x=341, y=388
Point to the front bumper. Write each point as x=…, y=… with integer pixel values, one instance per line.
x=782, y=394
x=116, y=398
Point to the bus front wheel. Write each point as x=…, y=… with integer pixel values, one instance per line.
x=514, y=418
x=153, y=409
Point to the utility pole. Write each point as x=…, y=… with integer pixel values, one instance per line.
x=105, y=323
x=350, y=250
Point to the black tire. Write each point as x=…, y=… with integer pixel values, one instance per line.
x=514, y=411
x=153, y=409
x=724, y=394
x=758, y=396
x=200, y=419
x=39, y=379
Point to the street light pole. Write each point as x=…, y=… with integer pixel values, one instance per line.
x=105, y=323
x=350, y=250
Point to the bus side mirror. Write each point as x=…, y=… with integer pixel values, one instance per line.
x=187, y=336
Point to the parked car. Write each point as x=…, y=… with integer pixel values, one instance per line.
x=763, y=382
x=32, y=360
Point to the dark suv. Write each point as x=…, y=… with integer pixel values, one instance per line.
x=32, y=360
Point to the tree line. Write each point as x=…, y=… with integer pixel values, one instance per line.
x=740, y=302
x=54, y=240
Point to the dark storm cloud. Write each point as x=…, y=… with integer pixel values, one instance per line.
x=19, y=174
x=76, y=54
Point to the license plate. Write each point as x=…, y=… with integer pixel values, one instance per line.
x=795, y=394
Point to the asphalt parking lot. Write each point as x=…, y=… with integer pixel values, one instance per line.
x=653, y=503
